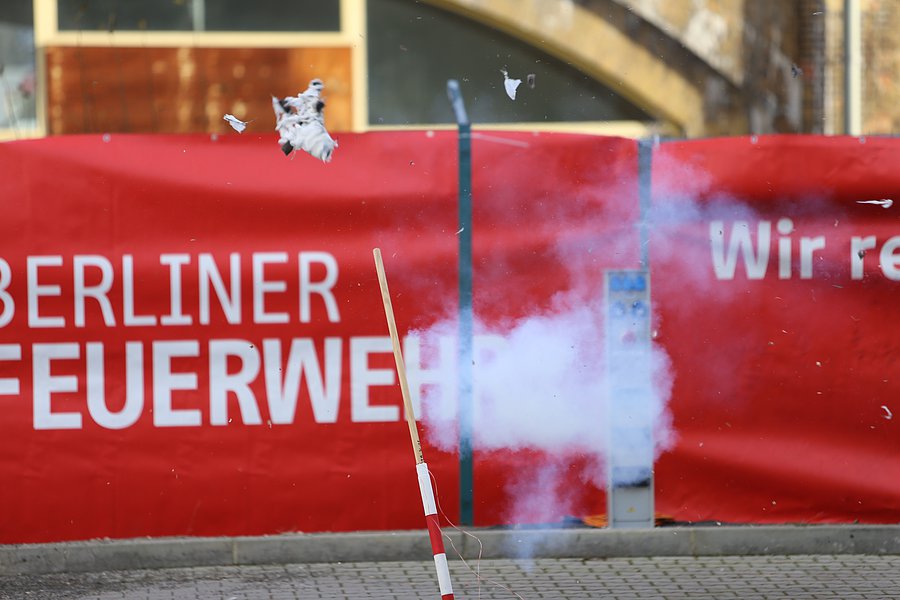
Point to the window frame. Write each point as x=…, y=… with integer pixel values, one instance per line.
x=351, y=35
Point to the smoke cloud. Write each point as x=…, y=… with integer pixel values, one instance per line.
x=551, y=383
x=542, y=383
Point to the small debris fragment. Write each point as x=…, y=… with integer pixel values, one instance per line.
x=236, y=123
x=887, y=412
x=530, y=80
x=884, y=202
x=796, y=71
x=510, y=84
x=861, y=254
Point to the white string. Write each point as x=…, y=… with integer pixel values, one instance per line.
x=476, y=135
x=477, y=570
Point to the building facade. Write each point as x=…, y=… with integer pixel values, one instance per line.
x=624, y=67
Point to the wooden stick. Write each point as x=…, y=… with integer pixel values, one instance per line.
x=398, y=357
x=427, y=492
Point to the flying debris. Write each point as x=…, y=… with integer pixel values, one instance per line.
x=309, y=104
x=236, y=123
x=884, y=202
x=796, y=71
x=887, y=412
x=300, y=122
x=510, y=84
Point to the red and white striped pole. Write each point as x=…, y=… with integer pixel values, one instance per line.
x=434, y=531
x=428, y=502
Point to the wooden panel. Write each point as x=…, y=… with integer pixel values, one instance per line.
x=180, y=90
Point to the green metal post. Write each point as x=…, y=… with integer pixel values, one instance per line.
x=465, y=353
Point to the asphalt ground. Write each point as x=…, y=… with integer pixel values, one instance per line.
x=814, y=562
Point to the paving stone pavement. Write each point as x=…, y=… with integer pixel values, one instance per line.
x=798, y=577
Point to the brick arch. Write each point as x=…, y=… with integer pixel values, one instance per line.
x=601, y=50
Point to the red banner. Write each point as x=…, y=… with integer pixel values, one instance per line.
x=193, y=337
x=774, y=271
x=192, y=340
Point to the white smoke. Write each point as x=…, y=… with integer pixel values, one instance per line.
x=541, y=383
x=544, y=382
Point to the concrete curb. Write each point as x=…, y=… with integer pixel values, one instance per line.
x=108, y=555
